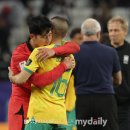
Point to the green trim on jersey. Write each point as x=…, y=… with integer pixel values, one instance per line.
x=71, y=117
x=29, y=71
x=32, y=125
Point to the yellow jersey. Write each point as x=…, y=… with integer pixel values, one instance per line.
x=47, y=105
x=70, y=97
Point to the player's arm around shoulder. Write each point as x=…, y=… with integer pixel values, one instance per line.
x=19, y=58
x=67, y=48
x=30, y=67
x=50, y=51
x=20, y=78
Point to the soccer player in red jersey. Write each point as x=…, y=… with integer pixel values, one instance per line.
x=19, y=100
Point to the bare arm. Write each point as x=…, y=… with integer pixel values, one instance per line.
x=117, y=78
x=66, y=49
x=20, y=78
x=44, y=78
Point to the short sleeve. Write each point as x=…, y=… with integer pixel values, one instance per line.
x=32, y=65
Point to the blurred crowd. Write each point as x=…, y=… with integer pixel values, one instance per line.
x=15, y=13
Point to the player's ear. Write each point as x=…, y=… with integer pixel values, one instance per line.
x=31, y=36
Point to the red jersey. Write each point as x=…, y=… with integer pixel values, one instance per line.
x=19, y=58
x=21, y=93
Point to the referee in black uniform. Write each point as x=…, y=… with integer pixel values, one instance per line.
x=118, y=29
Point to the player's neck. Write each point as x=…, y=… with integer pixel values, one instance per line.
x=32, y=44
x=91, y=38
x=116, y=45
x=58, y=41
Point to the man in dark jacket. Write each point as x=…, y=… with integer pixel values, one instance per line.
x=118, y=29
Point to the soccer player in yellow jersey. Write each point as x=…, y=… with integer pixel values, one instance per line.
x=70, y=100
x=47, y=109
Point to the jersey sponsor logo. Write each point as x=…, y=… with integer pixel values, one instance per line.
x=125, y=59
x=29, y=61
x=21, y=64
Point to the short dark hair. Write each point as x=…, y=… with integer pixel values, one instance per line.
x=74, y=32
x=39, y=24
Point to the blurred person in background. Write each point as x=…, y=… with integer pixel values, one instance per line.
x=102, y=13
x=4, y=33
x=112, y=3
x=70, y=100
x=97, y=67
x=118, y=30
x=105, y=38
x=76, y=36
